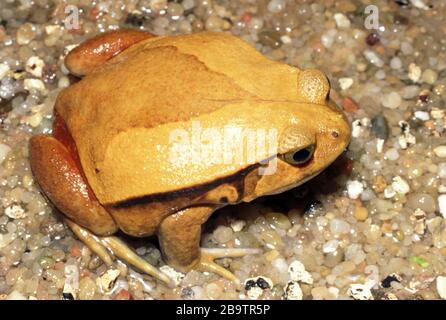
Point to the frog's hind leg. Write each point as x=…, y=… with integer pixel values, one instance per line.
x=179, y=237
x=58, y=174
x=92, y=53
x=103, y=246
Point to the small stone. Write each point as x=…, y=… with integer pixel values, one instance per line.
x=410, y=92
x=361, y=213
x=4, y=150
x=349, y=105
x=223, y=234
x=293, y=291
x=354, y=189
x=422, y=115
x=437, y=113
x=360, y=292
x=34, y=85
x=87, y=289
x=16, y=295
x=429, y=76
x=421, y=201
x=373, y=58
x=341, y=20
x=278, y=220
x=213, y=291
x=391, y=154
x=389, y=192
x=442, y=205
x=372, y=39
x=4, y=70
x=338, y=226
x=238, y=225
x=35, y=65
x=286, y=39
x=414, y=72
x=176, y=276
x=15, y=212
x=298, y=273
x=441, y=170
x=330, y=246
x=380, y=127
x=214, y=23
x=440, y=151
x=34, y=120
x=345, y=83
x=276, y=6
x=396, y=63
x=26, y=33
x=107, y=280
x=270, y=38
x=441, y=287
x=391, y=100
x=400, y=185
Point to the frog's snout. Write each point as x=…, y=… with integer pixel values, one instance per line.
x=313, y=86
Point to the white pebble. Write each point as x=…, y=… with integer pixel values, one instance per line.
x=34, y=84
x=360, y=292
x=35, y=65
x=391, y=100
x=108, y=280
x=437, y=113
x=410, y=92
x=441, y=170
x=15, y=212
x=380, y=74
x=406, y=48
x=396, y=63
x=338, y=226
x=280, y=264
x=341, y=20
x=391, y=154
x=330, y=246
x=422, y=115
x=419, y=4
x=400, y=185
x=237, y=225
x=354, y=189
x=414, y=72
x=389, y=192
x=373, y=58
x=285, y=39
x=298, y=273
x=440, y=151
x=441, y=287
x=4, y=69
x=345, y=83
x=328, y=37
x=276, y=6
x=293, y=291
x=4, y=150
x=176, y=276
x=15, y=295
x=442, y=205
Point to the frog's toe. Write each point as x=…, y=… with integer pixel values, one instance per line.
x=103, y=245
x=208, y=255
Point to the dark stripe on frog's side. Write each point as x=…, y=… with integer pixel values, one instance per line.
x=236, y=180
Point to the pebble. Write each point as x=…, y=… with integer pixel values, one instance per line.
x=414, y=72
x=441, y=286
x=16, y=295
x=421, y=201
x=270, y=38
x=429, y=76
x=26, y=33
x=441, y=170
x=223, y=234
x=360, y=292
x=87, y=289
x=35, y=65
x=345, y=83
x=380, y=127
x=373, y=58
x=108, y=280
x=278, y=220
x=422, y=115
x=341, y=20
x=440, y=151
x=400, y=185
x=34, y=85
x=298, y=273
x=15, y=212
x=4, y=151
x=293, y=291
x=442, y=205
x=395, y=63
x=361, y=213
x=176, y=276
x=391, y=154
x=338, y=226
x=354, y=189
x=275, y=6
x=330, y=246
x=391, y=100
x=4, y=70
x=410, y=92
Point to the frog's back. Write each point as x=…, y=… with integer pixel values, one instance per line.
x=121, y=115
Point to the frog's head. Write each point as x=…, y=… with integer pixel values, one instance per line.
x=316, y=134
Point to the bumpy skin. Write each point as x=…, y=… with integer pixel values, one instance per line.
x=118, y=119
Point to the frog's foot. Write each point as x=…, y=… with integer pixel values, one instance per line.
x=108, y=247
x=208, y=255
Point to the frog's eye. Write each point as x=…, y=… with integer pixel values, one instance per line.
x=298, y=157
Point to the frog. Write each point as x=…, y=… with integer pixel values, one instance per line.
x=108, y=164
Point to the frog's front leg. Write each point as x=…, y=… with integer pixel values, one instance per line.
x=63, y=182
x=179, y=237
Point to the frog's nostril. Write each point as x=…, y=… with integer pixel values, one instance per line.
x=335, y=134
